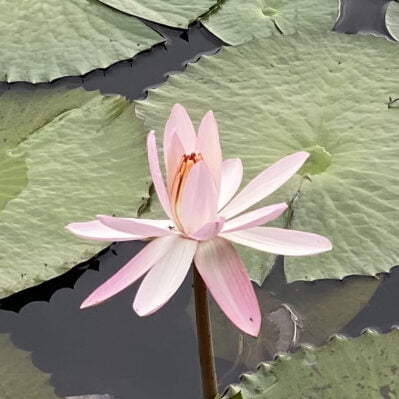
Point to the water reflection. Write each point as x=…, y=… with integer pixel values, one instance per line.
x=110, y=350
x=362, y=16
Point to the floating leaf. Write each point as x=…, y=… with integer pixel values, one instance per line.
x=236, y=21
x=85, y=155
x=46, y=39
x=364, y=367
x=177, y=13
x=18, y=375
x=324, y=93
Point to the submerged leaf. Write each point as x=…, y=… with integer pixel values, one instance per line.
x=236, y=21
x=177, y=13
x=83, y=155
x=43, y=40
x=392, y=19
x=337, y=110
x=292, y=314
x=364, y=367
x=18, y=375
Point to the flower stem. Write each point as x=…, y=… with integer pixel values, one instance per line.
x=204, y=337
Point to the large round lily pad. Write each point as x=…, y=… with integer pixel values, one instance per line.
x=46, y=39
x=177, y=13
x=360, y=368
x=237, y=21
x=82, y=154
x=324, y=93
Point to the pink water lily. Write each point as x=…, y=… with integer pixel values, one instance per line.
x=203, y=220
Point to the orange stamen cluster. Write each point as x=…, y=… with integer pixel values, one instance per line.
x=186, y=163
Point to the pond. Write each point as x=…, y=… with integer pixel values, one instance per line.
x=52, y=349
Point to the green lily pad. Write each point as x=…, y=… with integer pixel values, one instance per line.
x=236, y=21
x=392, y=19
x=84, y=155
x=18, y=375
x=43, y=40
x=364, y=367
x=325, y=93
x=177, y=13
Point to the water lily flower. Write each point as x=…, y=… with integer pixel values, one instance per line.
x=203, y=220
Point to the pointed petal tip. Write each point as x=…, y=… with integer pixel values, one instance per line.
x=138, y=311
x=254, y=330
x=178, y=107
x=86, y=304
x=144, y=312
x=304, y=153
x=250, y=326
x=92, y=301
x=325, y=244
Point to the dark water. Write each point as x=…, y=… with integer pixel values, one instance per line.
x=109, y=349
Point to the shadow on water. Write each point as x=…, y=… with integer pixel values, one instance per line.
x=150, y=68
x=109, y=349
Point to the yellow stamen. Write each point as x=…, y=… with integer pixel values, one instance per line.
x=186, y=163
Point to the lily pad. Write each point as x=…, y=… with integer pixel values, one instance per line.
x=364, y=367
x=18, y=375
x=84, y=154
x=177, y=13
x=43, y=40
x=324, y=93
x=236, y=21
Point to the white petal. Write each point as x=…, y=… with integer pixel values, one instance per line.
x=164, y=279
x=199, y=200
x=231, y=177
x=255, y=218
x=280, y=241
x=96, y=231
x=132, y=271
x=265, y=183
x=227, y=279
x=143, y=227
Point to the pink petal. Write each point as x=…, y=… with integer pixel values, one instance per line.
x=132, y=271
x=209, y=230
x=280, y=241
x=255, y=218
x=173, y=156
x=143, y=227
x=231, y=176
x=164, y=279
x=265, y=183
x=227, y=279
x=209, y=146
x=199, y=200
x=179, y=122
x=156, y=173
x=96, y=231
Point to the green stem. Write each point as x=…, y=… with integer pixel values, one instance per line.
x=204, y=337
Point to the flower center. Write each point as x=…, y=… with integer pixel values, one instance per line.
x=182, y=171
